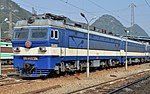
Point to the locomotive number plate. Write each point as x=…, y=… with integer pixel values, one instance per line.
x=30, y=58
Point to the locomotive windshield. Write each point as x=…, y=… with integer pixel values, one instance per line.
x=39, y=33
x=21, y=34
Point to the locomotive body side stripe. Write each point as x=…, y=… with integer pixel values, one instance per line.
x=57, y=51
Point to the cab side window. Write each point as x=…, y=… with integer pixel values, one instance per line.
x=54, y=34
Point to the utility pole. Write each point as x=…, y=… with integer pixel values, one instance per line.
x=10, y=20
x=34, y=12
x=88, y=43
x=132, y=15
x=1, y=23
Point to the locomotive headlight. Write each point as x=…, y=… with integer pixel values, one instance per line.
x=42, y=49
x=16, y=49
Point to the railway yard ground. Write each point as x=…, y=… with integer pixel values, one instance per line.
x=77, y=83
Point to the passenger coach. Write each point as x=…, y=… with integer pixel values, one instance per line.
x=6, y=54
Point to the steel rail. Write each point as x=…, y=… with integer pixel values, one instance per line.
x=127, y=85
x=42, y=90
x=108, y=82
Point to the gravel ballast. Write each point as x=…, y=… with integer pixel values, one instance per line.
x=71, y=83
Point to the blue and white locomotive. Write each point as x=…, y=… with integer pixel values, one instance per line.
x=47, y=43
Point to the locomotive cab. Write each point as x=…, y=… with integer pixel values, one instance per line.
x=34, y=47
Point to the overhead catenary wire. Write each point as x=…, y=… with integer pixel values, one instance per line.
x=84, y=10
x=67, y=2
x=147, y=3
x=73, y=5
x=89, y=12
x=94, y=4
x=40, y=8
x=107, y=10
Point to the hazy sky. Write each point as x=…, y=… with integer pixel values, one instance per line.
x=72, y=9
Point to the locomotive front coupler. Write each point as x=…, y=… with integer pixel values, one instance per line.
x=28, y=68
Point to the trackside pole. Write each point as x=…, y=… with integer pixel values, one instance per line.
x=0, y=68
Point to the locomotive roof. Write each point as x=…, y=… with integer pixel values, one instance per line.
x=61, y=22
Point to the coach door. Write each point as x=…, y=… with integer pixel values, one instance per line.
x=62, y=43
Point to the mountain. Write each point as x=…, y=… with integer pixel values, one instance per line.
x=17, y=13
x=137, y=30
x=105, y=22
x=111, y=24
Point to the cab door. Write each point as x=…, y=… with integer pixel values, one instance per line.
x=62, y=36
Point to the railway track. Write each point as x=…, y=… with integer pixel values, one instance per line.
x=8, y=69
x=7, y=66
x=113, y=86
x=6, y=81
x=10, y=82
x=119, y=89
x=43, y=89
